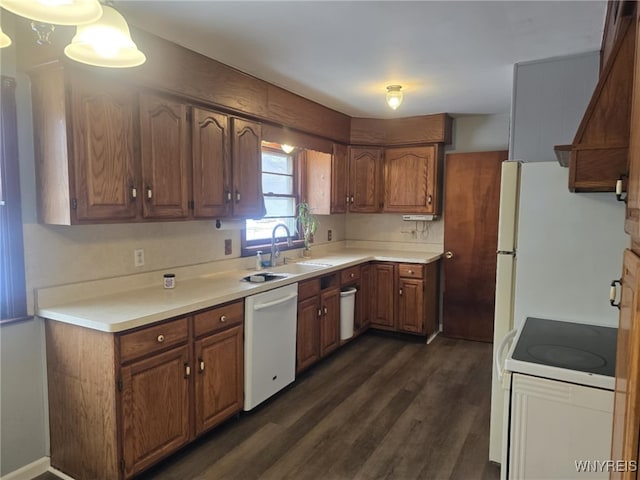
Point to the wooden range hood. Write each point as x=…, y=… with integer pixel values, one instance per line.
x=598, y=156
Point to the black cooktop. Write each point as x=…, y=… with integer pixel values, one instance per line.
x=574, y=346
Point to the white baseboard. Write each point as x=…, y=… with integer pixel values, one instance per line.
x=29, y=471
x=58, y=473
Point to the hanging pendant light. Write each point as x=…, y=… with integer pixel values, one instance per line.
x=5, y=41
x=394, y=96
x=105, y=43
x=57, y=12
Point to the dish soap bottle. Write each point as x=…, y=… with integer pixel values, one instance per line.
x=259, y=260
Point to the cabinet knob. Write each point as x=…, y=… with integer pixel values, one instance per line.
x=613, y=294
x=237, y=196
x=400, y=292
x=347, y=198
x=187, y=370
x=324, y=309
x=228, y=196
x=160, y=338
x=620, y=189
x=352, y=275
x=429, y=199
x=319, y=312
x=448, y=255
x=223, y=318
x=201, y=364
x=149, y=193
x=410, y=272
x=351, y=198
x=134, y=192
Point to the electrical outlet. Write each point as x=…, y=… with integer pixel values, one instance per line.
x=227, y=246
x=329, y=235
x=138, y=257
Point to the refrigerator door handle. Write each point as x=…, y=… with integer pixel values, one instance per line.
x=506, y=341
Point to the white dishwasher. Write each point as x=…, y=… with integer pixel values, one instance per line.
x=269, y=343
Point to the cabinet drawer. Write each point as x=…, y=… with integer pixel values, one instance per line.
x=219, y=318
x=308, y=288
x=350, y=274
x=411, y=270
x=153, y=339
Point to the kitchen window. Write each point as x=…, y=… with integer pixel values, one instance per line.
x=13, y=304
x=280, y=191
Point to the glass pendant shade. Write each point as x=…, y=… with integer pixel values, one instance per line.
x=105, y=43
x=287, y=148
x=57, y=12
x=5, y=41
x=394, y=96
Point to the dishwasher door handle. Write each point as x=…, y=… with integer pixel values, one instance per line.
x=280, y=301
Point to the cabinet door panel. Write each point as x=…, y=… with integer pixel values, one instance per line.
x=247, y=167
x=163, y=137
x=363, y=297
x=364, y=179
x=410, y=179
x=104, y=157
x=330, y=321
x=219, y=380
x=155, y=408
x=383, y=299
x=339, y=177
x=308, y=334
x=411, y=306
x=211, y=164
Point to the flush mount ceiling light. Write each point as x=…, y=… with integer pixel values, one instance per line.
x=57, y=12
x=394, y=96
x=105, y=43
x=5, y=41
x=287, y=148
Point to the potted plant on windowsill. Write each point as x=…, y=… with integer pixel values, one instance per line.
x=307, y=226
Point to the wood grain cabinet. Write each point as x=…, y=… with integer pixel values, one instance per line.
x=327, y=180
x=246, y=155
x=318, y=325
x=121, y=402
x=365, y=179
x=411, y=179
x=405, y=297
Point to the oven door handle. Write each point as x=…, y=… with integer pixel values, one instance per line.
x=506, y=341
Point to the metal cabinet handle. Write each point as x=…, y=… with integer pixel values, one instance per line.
x=448, y=255
x=223, y=318
x=613, y=294
x=400, y=292
x=619, y=191
x=160, y=338
x=319, y=312
x=325, y=310
x=149, y=193
x=351, y=198
x=347, y=199
x=237, y=196
x=352, y=275
x=187, y=370
x=134, y=192
x=429, y=199
x=201, y=364
x=228, y=196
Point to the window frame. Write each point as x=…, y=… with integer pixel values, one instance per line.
x=13, y=279
x=251, y=247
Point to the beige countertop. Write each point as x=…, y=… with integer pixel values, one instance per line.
x=136, y=307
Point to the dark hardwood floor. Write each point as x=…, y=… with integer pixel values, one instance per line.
x=379, y=408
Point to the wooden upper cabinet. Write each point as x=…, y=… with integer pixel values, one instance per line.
x=164, y=154
x=365, y=172
x=246, y=154
x=632, y=221
x=339, y=178
x=211, y=176
x=411, y=179
x=104, y=158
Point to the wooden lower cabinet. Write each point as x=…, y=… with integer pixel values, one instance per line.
x=405, y=297
x=329, y=321
x=363, y=299
x=308, y=333
x=118, y=403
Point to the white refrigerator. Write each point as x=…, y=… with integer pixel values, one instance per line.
x=557, y=254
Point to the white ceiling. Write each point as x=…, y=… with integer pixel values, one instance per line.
x=450, y=56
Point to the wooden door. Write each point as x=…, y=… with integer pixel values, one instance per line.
x=363, y=298
x=165, y=161
x=384, y=294
x=411, y=305
x=410, y=179
x=155, y=408
x=626, y=408
x=219, y=381
x=365, y=167
x=308, y=333
x=472, y=190
x=330, y=321
x=339, y=178
x=211, y=178
x=104, y=158
x=246, y=154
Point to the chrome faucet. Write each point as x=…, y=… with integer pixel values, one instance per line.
x=275, y=253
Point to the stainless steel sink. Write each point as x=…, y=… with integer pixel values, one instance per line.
x=261, y=277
